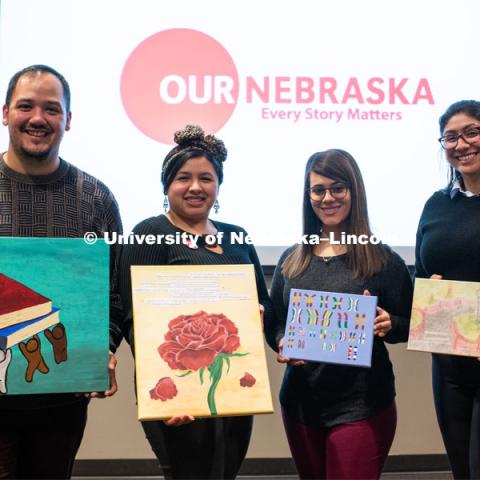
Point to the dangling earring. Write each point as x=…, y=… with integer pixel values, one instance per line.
x=165, y=203
x=216, y=206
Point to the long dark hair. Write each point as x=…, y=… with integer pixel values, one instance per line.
x=363, y=260
x=470, y=108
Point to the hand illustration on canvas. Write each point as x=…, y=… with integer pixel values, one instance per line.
x=5, y=358
x=58, y=338
x=32, y=352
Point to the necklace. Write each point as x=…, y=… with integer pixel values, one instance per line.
x=326, y=259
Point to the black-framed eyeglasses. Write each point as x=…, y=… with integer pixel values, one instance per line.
x=338, y=191
x=469, y=135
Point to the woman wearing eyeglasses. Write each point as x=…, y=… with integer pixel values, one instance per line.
x=340, y=420
x=448, y=247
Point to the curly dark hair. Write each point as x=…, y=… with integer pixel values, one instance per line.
x=192, y=142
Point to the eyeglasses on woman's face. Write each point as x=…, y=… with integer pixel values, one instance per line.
x=338, y=191
x=470, y=134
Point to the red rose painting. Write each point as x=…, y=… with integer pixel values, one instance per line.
x=165, y=389
x=247, y=380
x=201, y=341
x=193, y=341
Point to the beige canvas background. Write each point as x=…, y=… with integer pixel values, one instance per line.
x=445, y=317
x=237, y=300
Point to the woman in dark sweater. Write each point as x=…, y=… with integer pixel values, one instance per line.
x=448, y=246
x=340, y=420
x=192, y=172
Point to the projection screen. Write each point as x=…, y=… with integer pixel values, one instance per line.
x=276, y=80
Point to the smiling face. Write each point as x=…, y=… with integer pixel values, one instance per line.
x=36, y=118
x=194, y=190
x=332, y=212
x=464, y=157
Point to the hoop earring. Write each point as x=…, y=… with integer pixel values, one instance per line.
x=216, y=206
x=165, y=204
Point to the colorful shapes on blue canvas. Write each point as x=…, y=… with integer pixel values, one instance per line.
x=348, y=339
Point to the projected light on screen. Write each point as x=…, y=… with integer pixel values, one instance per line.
x=276, y=83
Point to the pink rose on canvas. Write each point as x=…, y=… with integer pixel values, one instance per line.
x=165, y=389
x=193, y=341
x=247, y=380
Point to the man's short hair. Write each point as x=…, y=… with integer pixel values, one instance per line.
x=41, y=69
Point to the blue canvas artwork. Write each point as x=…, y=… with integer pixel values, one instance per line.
x=54, y=316
x=330, y=327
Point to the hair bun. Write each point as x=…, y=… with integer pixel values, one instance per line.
x=194, y=136
x=189, y=135
x=216, y=148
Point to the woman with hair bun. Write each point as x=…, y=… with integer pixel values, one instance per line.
x=448, y=239
x=191, y=175
x=340, y=420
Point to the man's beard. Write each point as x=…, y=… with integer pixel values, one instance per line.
x=33, y=156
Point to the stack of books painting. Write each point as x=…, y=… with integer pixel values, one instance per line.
x=23, y=312
x=54, y=306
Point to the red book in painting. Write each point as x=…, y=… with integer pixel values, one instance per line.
x=19, y=303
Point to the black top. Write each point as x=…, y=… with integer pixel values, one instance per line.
x=235, y=253
x=448, y=244
x=321, y=394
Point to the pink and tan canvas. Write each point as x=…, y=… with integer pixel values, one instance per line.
x=445, y=317
x=198, y=342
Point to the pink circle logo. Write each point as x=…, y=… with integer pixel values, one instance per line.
x=177, y=77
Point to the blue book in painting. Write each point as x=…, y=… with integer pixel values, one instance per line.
x=330, y=327
x=14, y=334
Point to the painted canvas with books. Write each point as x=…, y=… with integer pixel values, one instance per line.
x=330, y=327
x=54, y=313
x=445, y=317
x=199, y=346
